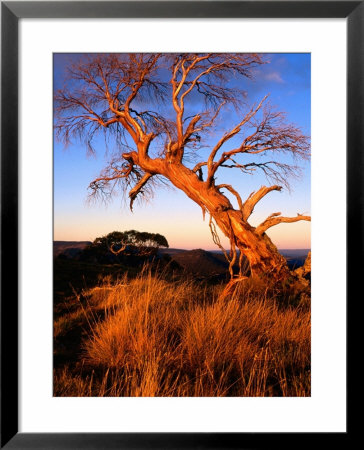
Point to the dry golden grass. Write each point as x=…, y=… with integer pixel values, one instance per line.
x=151, y=337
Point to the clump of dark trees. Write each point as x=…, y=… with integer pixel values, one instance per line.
x=128, y=247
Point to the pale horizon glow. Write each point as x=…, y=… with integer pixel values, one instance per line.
x=197, y=233
x=185, y=229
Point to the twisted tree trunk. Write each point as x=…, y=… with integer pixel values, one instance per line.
x=252, y=242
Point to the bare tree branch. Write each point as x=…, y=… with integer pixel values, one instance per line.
x=191, y=72
x=137, y=189
x=234, y=192
x=199, y=166
x=271, y=134
x=227, y=136
x=112, y=249
x=248, y=206
x=275, y=219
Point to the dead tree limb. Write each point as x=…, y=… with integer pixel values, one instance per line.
x=137, y=189
x=234, y=192
x=273, y=220
x=248, y=206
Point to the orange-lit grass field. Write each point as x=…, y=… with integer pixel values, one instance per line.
x=151, y=337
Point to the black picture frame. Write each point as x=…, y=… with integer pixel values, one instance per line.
x=11, y=12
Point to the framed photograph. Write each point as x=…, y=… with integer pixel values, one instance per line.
x=152, y=294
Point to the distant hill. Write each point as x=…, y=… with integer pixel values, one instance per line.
x=209, y=263
x=70, y=249
x=171, y=251
x=200, y=262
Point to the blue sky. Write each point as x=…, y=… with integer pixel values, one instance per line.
x=286, y=78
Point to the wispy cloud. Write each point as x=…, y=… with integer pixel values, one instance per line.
x=273, y=76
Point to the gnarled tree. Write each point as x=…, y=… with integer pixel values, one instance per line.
x=160, y=109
